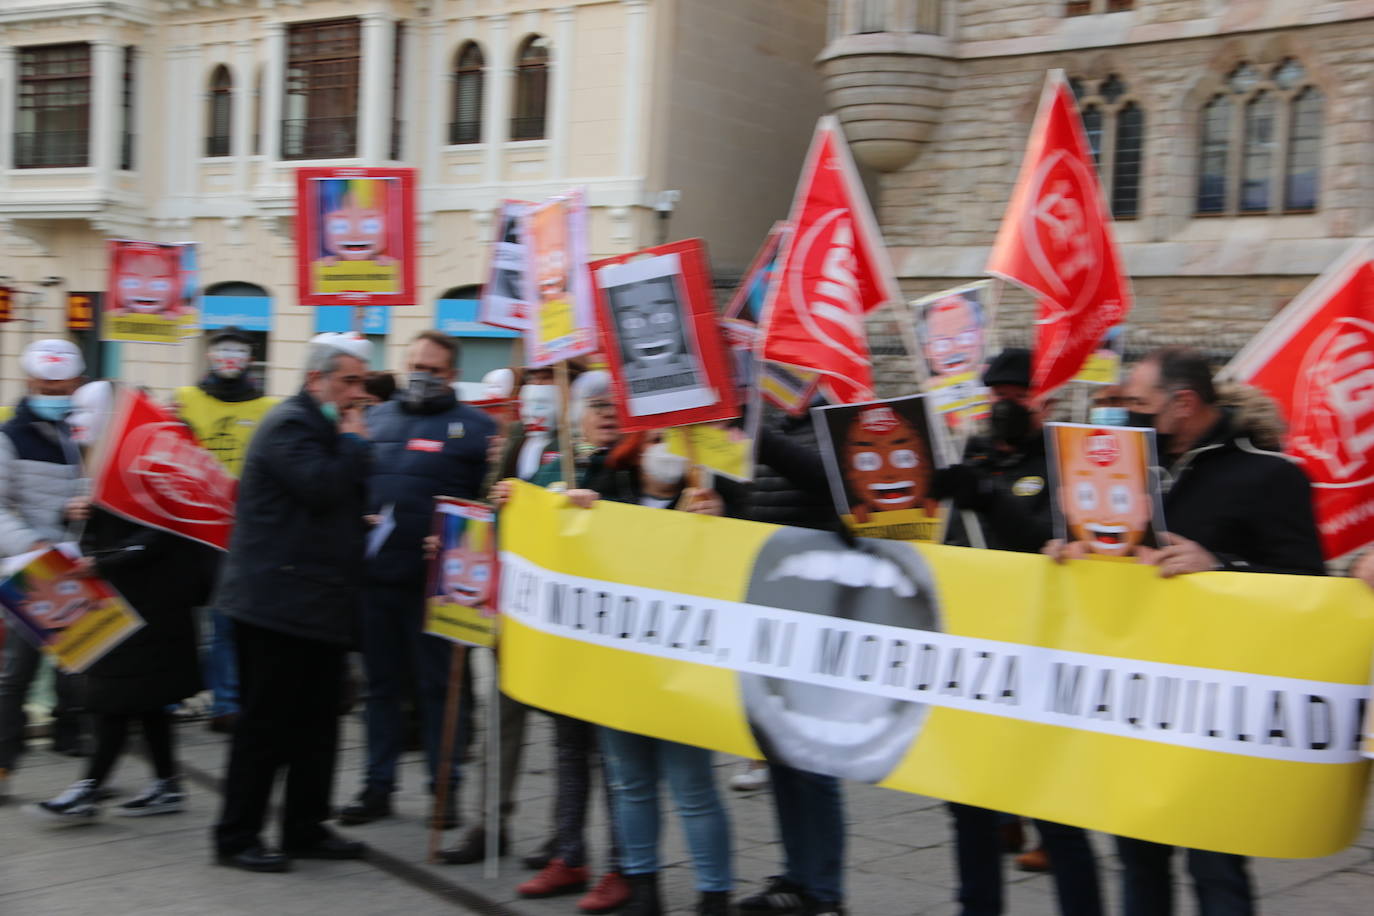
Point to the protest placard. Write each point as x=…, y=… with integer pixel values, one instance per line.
x=1106, y=487
x=355, y=236
x=152, y=292
x=460, y=601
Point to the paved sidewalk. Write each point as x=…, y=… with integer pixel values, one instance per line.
x=900, y=860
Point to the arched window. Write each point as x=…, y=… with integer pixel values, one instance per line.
x=468, y=76
x=531, y=89
x=1260, y=149
x=218, y=121
x=1115, y=125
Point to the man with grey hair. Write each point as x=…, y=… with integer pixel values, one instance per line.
x=290, y=585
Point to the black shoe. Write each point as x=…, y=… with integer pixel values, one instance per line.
x=473, y=848
x=714, y=903
x=778, y=896
x=330, y=846
x=255, y=858
x=540, y=860
x=644, y=899
x=370, y=805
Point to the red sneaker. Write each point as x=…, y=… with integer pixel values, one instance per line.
x=555, y=879
x=1035, y=860
x=610, y=894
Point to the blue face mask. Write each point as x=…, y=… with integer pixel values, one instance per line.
x=1109, y=416
x=50, y=406
x=330, y=411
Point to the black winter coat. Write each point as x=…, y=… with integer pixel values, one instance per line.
x=295, y=562
x=1250, y=508
x=164, y=578
x=437, y=449
x=790, y=486
x=1008, y=492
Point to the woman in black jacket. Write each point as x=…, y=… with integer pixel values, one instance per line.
x=164, y=578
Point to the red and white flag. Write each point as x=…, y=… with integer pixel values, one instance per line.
x=151, y=469
x=1316, y=358
x=1056, y=241
x=834, y=271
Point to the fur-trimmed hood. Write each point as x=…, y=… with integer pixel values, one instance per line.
x=1254, y=415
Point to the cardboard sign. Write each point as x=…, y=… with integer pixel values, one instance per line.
x=463, y=579
x=562, y=305
x=954, y=343
x=505, y=296
x=664, y=352
x=152, y=292
x=880, y=462
x=355, y=236
x=1106, y=487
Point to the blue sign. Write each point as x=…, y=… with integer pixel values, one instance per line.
x=458, y=318
x=339, y=318
x=247, y=313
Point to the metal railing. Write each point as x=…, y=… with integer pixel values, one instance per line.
x=464, y=132
x=217, y=145
x=52, y=149
x=527, y=128
x=319, y=138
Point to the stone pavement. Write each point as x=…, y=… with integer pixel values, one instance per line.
x=900, y=860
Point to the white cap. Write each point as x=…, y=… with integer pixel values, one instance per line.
x=498, y=383
x=350, y=342
x=52, y=360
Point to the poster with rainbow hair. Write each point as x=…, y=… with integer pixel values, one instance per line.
x=355, y=241
x=75, y=620
x=461, y=600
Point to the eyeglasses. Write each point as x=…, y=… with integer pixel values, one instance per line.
x=603, y=406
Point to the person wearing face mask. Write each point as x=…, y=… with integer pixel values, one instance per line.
x=1003, y=482
x=292, y=584
x=425, y=444
x=40, y=475
x=224, y=411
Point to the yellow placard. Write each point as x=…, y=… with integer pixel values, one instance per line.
x=357, y=277
x=724, y=451
x=150, y=328
x=1213, y=711
x=92, y=635
x=460, y=623
x=1102, y=368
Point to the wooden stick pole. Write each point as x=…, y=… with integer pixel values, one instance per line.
x=491, y=867
x=442, y=778
x=567, y=435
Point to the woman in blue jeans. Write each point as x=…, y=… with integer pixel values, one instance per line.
x=642, y=472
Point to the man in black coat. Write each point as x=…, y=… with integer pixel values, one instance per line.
x=1227, y=505
x=291, y=584
x=426, y=444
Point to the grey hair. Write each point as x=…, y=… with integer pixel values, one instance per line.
x=323, y=359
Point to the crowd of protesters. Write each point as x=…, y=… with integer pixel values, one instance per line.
x=300, y=587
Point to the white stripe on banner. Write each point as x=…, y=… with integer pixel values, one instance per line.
x=1255, y=715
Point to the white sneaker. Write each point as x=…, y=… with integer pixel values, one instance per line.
x=163, y=796
x=753, y=778
x=74, y=806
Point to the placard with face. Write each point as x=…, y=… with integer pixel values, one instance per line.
x=152, y=294
x=880, y=461
x=561, y=324
x=355, y=242
x=662, y=345
x=505, y=298
x=1106, y=487
x=952, y=332
x=461, y=603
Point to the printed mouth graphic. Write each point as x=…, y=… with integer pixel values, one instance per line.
x=827, y=729
x=356, y=246
x=1107, y=537
x=952, y=362
x=464, y=594
x=145, y=303
x=655, y=350
x=893, y=494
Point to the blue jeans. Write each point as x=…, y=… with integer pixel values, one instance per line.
x=401, y=660
x=221, y=667
x=637, y=763
x=978, y=857
x=1221, y=880
x=810, y=811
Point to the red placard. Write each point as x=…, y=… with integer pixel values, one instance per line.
x=152, y=469
x=659, y=334
x=355, y=236
x=1316, y=358
x=1056, y=241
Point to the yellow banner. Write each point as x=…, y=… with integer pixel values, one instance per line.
x=357, y=277
x=151, y=328
x=1215, y=711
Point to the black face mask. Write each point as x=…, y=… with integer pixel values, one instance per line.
x=1164, y=442
x=1009, y=422
x=423, y=388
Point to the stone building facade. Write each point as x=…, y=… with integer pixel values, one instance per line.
x=1246, y=126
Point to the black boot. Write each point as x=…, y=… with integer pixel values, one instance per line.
x=370, y=805
x=644, y=899
x=714, y=903
x=473, y=848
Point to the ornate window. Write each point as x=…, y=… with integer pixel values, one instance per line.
x=531, y=89
x=322, y=72
x=1115, y=124
x=52, y=125
x=397, y=126
x=469, y=74
x=218, y=116
x=127, y=93
x=1259, y=149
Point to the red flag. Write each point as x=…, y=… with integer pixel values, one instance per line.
x=152, y=470
x=1056, y=241
x=834, y=271
x=1316, y=358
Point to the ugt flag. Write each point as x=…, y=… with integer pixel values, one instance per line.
x=1316, y=358
x=152, y=470
x=834, y=271
x=1056, y=241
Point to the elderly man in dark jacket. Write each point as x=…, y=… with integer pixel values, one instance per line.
x=291, y=584
x=427, y=444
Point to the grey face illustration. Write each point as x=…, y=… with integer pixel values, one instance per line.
x=650, y=322
x=824, y=729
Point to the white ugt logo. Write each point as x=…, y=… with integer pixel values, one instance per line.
x=838, y=289
x=1061, y=215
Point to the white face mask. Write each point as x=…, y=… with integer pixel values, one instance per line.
x=662, y=465
x=539, y=407
x=229, y=360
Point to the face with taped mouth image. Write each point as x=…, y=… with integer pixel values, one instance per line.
x=825, y=729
